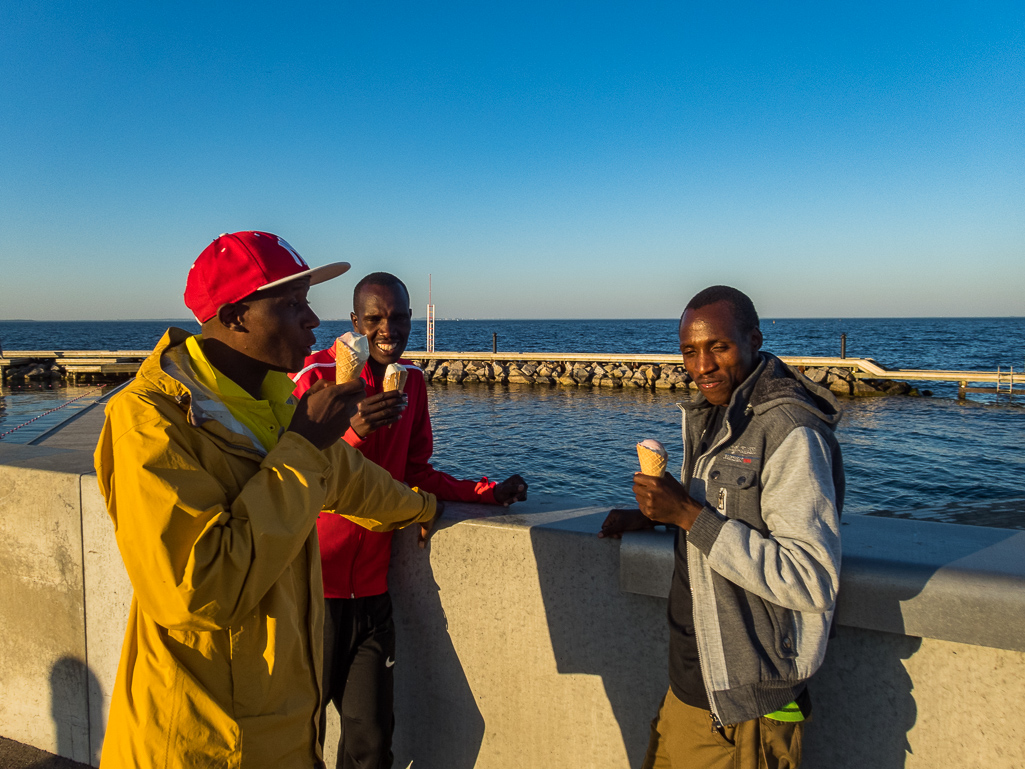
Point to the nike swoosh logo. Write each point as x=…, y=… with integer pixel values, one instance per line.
x=389, y=662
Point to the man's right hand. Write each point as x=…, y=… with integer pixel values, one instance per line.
x=379, y=411
x=325, y=410
x=619, y=521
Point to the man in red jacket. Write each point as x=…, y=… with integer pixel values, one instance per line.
x=392, y=429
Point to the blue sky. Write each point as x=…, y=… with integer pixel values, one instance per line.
x=540, y=160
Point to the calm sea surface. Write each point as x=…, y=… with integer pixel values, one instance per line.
x=899, y=452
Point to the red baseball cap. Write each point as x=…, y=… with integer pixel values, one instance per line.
x=236, y=265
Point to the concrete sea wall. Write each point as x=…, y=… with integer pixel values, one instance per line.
x=525, y=641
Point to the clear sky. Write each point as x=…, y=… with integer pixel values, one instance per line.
x=549, y=160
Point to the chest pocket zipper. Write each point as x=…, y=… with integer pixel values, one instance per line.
x=721, y=502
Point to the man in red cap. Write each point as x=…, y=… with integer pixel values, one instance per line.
x=214, y=475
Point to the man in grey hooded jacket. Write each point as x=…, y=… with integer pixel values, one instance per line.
x=757, y=513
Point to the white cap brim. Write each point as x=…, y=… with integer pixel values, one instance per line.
x=316, y=274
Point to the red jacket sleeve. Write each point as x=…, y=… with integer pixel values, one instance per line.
x=420, y=472
x=319, y=365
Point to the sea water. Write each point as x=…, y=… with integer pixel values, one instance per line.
x=899, y=452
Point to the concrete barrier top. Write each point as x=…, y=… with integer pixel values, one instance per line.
x=933, y=580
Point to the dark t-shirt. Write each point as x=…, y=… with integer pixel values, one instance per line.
x=684, y=664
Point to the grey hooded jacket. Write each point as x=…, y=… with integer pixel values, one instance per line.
x=763, y=555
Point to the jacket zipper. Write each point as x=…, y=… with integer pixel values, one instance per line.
x=716, y=723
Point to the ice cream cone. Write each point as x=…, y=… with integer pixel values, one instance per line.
x=351, y=354
x=653, y=457
x=394, y=377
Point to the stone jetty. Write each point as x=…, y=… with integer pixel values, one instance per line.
x=39, y=371
x=626, y=374
x=853, y=377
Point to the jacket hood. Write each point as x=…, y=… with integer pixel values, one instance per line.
x=773, y=383
x=781, y=384
x=151, y=373
x=168, y=369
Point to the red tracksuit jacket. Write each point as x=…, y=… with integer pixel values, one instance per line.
x=355, y=560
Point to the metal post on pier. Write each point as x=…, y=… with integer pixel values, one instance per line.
x=843, y=345
x=494, y=342
x=430, y=317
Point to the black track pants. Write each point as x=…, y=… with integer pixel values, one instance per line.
x=359, y=655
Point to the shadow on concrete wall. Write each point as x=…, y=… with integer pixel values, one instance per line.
x=598, y=630
x=431, y=685
x=863, y=702
x=863, y=705
x=863, y=696
x=71, y=681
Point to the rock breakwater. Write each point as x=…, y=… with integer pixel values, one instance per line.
x=35, y=371
x=651, y=372
x=625, y=374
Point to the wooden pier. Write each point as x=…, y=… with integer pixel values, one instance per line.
x=86, y=364
x=1004, y=382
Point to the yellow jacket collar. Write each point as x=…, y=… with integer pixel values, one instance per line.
x=169, y=368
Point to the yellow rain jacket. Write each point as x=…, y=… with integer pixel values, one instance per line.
x=221, y=663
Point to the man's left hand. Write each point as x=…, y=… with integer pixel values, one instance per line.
x=378, y=411
x=664, y=500
x=512, y=489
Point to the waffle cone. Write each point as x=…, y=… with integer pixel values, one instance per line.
x=347, y=363
x=394, y=377
x=652, y=462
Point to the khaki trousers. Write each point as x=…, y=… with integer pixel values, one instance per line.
x=683, y=737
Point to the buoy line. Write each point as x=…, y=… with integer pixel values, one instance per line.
x=50, y=411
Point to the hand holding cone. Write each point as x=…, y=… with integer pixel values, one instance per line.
x=653, y=457
x=351, y=353
x=394, y=377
